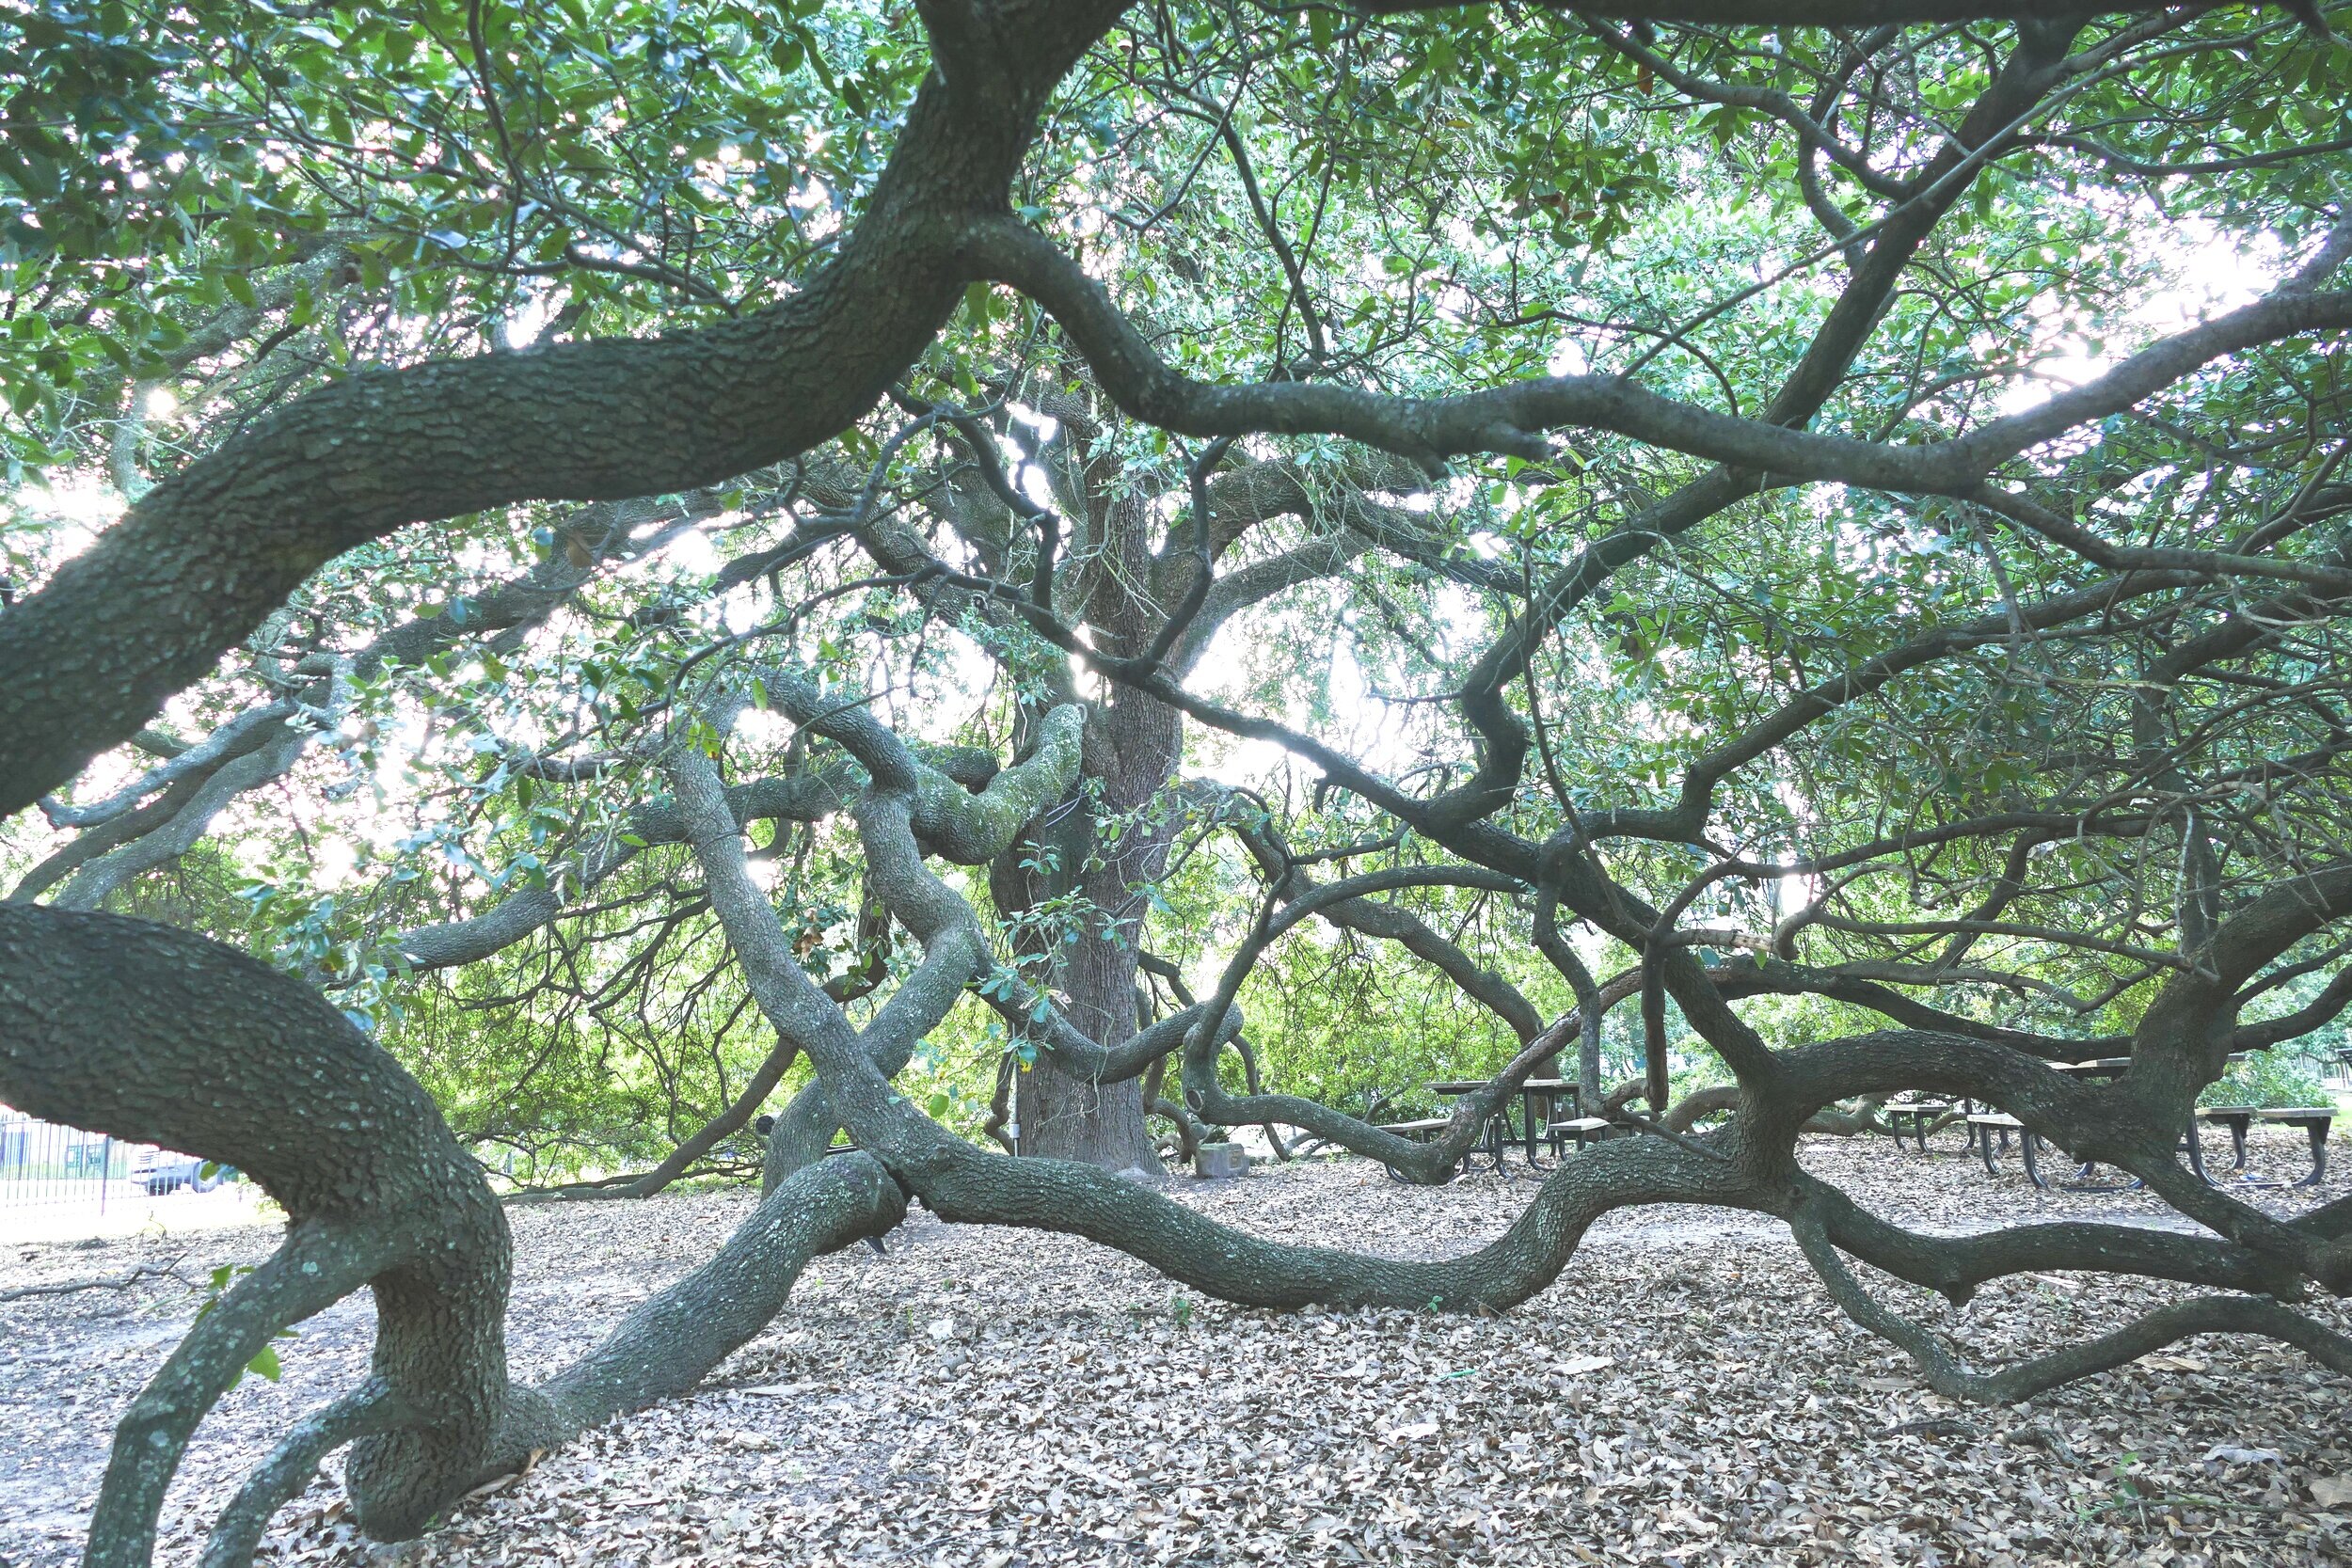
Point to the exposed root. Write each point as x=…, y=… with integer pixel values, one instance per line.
x=661, y=1350
x=312, y=1270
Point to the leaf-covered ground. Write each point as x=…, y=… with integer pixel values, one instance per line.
x=1686, y=1395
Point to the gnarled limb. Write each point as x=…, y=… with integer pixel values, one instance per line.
x=317, y=1266
x=372, y=1408
x=1957, y=1265
x=1696, y=1106
x=665, y=1347
x=1288, y=879
x=811, y=794
x=1944, y=1372
x=155, y=1034
x=671, y=1341
x=206, y=554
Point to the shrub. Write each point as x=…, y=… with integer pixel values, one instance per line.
x=2269, y=1078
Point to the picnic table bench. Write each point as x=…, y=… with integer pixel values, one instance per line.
x=2314, y=1121
x=2236, y=1118
x=1992, y=1126
x=1582, y=1130
x=1983, y=1128
x=1922, y=1115
x=1987, y=1125
x=1988, y=1131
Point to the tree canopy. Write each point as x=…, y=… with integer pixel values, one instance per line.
x=1017, y=577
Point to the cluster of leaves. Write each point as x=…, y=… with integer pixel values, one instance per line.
x=1462, y=198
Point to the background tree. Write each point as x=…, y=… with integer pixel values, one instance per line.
x=1823, y=523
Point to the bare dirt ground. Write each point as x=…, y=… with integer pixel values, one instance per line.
x=1686, y=1395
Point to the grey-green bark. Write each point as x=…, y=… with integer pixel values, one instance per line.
x=159, y=1035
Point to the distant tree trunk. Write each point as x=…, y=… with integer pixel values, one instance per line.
x=1069, y=1117
x=1133, y=746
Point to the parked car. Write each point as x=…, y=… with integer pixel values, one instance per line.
x=161, y=1171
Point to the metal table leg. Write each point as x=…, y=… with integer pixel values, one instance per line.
x=1535, y=1121
x=2196, y=1151
x=2028, y=1141
x=2318, y=1131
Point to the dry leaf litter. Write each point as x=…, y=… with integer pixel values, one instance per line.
x=1685, y=1395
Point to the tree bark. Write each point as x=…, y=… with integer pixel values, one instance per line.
x=1134, y=744
x=163, y=1037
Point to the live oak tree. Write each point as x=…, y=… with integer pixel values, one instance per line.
x=758, y=529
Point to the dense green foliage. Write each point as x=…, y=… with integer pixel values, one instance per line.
x=207, y=208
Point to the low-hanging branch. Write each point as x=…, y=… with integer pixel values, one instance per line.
x=2136, y=824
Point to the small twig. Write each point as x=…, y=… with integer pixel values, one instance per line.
x=2041, y=1434
x=145, y=1271
x=2171, y=1499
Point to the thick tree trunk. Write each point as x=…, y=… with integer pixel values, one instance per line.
x=1064, y=1118
x=1064, y=1115
x=1133, y=744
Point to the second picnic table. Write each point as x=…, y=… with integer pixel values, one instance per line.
x=2313, y=1120
x=1535, y=1098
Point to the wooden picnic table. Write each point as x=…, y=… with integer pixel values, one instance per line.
x=2109, y=1068
x=2313, y=1120
x=2115, y=1067
x=1986, y=1128
x=2236, y=1118
x=1988, y=1125
x=1921, y=1113
x=1980, y=1126
x=1536, y=1095
x=1983, y=1126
